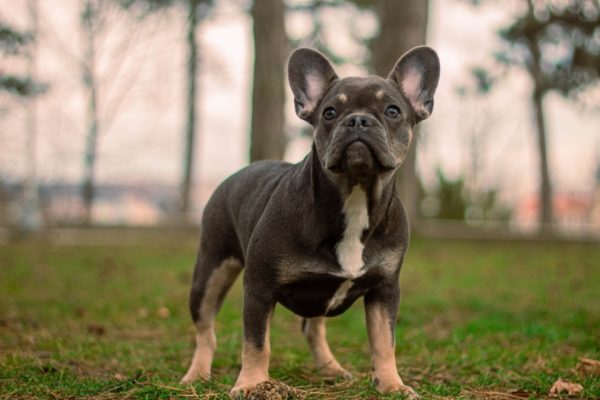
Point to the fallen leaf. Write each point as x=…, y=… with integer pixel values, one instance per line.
x=564, y=386
x=96, y=329
x=120, y=377
x=521, y=393
x=142, y=312
x=588, y=366
x=163, y=312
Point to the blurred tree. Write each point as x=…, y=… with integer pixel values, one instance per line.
x=27, y=88
x=31, y=218
x=15, y=43
x=323, y=36
x=402, y=25
x=446, y=201
x=196, y=10
x=90, y=24
x=478, y=117
x=12, y=41
x=558, y=44
x=267, y=137
x=485, y=206
x=454, y=200
x=19, y=85
x=92, y=21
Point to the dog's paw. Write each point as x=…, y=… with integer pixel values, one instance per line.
x=244, y=386
x=335, y=372
x=241, y=392
x=194, y=375
x=397, y=387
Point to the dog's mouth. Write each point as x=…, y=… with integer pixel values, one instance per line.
x=359, y=157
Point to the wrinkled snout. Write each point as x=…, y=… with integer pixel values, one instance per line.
x=359, y=147
x=358, y=158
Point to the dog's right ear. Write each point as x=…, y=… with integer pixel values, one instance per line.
x=310, y=74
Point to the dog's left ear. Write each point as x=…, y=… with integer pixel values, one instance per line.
x=310, y=74
x=417, y=74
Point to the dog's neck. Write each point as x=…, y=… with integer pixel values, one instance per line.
x=334, y=199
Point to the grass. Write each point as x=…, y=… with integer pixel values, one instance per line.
x=477, y=320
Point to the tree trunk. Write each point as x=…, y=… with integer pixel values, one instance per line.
x=92, y=120
x=32, y=218
x=267, y=138
x=190, y=125
x=402, y=25
x=545, y=193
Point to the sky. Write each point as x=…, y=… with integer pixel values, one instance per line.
x=142, y=91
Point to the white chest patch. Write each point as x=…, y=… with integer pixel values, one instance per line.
x=339, y=295
x=350, y=249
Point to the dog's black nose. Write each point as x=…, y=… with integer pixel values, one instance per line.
x=359, y=121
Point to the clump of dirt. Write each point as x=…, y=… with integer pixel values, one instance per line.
x=273, y=390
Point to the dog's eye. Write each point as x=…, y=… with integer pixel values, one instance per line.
x=329, y=113
x=392, y=112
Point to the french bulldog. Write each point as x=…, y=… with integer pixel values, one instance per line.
x=317, y=235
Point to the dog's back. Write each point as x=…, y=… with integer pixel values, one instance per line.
x=249, y=190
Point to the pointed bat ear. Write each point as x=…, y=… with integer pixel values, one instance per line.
x=310, y=74
x=417, y=73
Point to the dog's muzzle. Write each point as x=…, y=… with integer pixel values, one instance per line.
x=358, y=159
x=359, y=147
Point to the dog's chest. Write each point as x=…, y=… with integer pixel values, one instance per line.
x=349, y=250
x=320, y=287
x=323, y=294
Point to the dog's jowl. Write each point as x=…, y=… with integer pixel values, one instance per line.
x=317, y=235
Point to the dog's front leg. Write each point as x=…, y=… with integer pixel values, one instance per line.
x=328, y=366
x=258, y=310
x=381, y=309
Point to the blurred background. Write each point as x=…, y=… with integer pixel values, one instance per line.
x=128, y=113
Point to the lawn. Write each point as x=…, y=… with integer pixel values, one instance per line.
x=498, y=320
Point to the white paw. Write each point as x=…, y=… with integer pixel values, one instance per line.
x=194, y=375
x=335, y=372
x=397, y=387
x=241, y=390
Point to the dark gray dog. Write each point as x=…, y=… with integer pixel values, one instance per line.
x=317, y=235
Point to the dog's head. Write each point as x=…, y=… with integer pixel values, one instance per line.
x=363, y=127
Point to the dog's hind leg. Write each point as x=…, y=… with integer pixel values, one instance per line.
x=212, y=280
x=328, y=366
